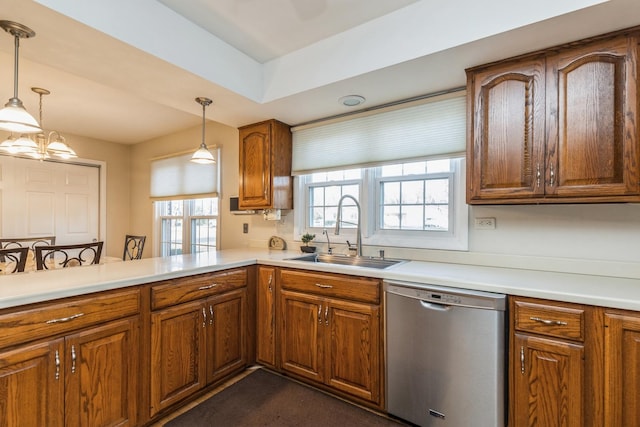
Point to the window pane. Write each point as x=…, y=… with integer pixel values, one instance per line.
x=324, y=202
x=390, y=193
x=412, y=218
x=434, y=166
x=413, y=192
x=203, y=235
x=417, y=204
x=207, y=206
x=332, y=195
x=438, y=191
x=391, y=217
x=436, y=218
x=391, y=170
x=317, y=196
x=187, y=226
x=171, y=237
x=417, y=168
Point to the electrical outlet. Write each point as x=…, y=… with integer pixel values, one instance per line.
x=245, y=228
x=485, y=223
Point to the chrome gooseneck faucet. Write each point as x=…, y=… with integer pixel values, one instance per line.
x=358, y=229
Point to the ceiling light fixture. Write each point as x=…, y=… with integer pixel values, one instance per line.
x=202, y=154
x=14, y=117
x=44, y=146
x=351, y=100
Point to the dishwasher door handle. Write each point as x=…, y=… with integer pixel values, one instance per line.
x=434, y=306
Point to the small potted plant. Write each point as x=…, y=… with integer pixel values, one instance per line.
x=306, y=238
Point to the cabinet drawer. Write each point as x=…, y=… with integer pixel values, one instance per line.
x=562, y=321
x=196, y=287
x=332, y=285
x=67, y=315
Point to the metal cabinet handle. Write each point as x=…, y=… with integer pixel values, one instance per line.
x=326, y=315
x=522, y=360
x=548, y=322
x=320, y=313
x=73, y=359
x=204, y=317
x=552, y=177
x=211, y=312
x=320, y=285
x=270, y=281
x=64, y=319
x=538, y=174
x=57, y=365
x=204, y=288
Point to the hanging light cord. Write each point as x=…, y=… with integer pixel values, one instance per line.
x=15, y=66
x=204, y=106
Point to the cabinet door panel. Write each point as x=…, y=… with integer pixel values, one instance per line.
x=548, y=382
x=255, y=167
x=177, y=353
x=622, y=370
x=265, y=307
x=101, y=371
x=301, y=340
x=32, y=385
x=226, y=334
x=592, y=118
x=353, y=352
x=507, y=150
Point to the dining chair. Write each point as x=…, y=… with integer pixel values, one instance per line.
x=62, y=256
x=13, y=260
x=30, y=242
x=133, y=246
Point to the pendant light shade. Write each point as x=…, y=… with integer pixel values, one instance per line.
x=14, y=117
x=202, y=154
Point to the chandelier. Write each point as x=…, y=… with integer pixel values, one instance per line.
x=43, y=145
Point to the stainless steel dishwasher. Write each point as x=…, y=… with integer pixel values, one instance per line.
x=445, y=355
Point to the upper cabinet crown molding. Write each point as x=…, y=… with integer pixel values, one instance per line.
x=556, y=126
x=265, y=166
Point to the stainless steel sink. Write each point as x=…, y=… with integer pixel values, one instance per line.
x=358, y=261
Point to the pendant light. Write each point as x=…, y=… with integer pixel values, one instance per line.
x=202, y=154
x=14, y=117
x=41, y=146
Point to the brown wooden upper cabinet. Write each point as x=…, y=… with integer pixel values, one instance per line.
x=556, y=126
x=265, y=166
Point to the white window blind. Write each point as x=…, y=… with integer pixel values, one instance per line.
x=431, y=127
x=178, y=178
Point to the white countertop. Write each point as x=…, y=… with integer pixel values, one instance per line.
x=30, y=287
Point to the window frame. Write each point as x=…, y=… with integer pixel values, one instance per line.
x=188, y=206
x=456, y=238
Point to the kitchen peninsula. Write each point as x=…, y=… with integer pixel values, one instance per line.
x=134, y=314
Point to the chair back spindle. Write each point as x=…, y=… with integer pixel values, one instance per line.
x=133, y=246
x=62, y=256
x=13, y=260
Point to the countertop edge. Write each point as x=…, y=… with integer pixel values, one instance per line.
x=611, y=292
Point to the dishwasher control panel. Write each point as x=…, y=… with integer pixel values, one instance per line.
x=447, y=296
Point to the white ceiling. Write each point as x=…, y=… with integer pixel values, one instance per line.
x=128, y=72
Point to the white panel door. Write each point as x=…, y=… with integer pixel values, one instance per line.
x=49, y=199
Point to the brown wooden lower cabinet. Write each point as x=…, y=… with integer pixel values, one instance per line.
x=197, y=342
x=85, y=375
x=31, y=378
x=556, y=364
x=266, y=316
x=329, y=340
x=548, y=387
x=622, y=369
